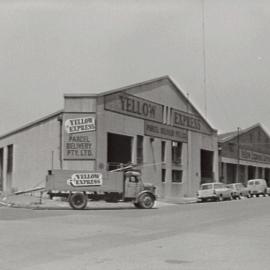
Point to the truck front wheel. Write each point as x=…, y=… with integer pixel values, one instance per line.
x=78, y=201
x=146, y=201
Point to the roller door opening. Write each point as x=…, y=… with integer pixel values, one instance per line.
x=207, y=158
x=119, y=150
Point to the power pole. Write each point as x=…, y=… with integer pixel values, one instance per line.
x=238, y=154
x=204, y=59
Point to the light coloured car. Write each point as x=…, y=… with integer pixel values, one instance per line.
x=215, y=191
x=239, y=190
x=257, y=187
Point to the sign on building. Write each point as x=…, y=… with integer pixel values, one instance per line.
x=134, y=106
x=189, y=121
x=78, y=125
x=254, y=156
x=79, y=137
x=165, y=132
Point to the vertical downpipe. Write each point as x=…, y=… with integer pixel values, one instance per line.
x=60, y=119
x=52, y=160
x=204, y=59
x=188, y=149
x=238, y=154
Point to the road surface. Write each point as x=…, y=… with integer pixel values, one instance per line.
x=219, y=235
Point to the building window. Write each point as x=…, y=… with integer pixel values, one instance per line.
x=177, y=153
x=231, y=147
x=163, y=148
x=163, y=175
x=10, y=158
x=177, y=176
x=139, y=149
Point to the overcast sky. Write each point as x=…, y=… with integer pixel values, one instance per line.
x=48, y=48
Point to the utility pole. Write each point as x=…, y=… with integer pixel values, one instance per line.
x=238, y=155
x=204, y=59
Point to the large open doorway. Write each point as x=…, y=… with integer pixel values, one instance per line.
x=1, y=169
x=231, y=173
x=242, y=174
x=207, y=158
x=119, y=150
x=10, y=154
x=267, y=176
x=251, y=172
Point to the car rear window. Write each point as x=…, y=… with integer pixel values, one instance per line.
x=203, y=187
x=257, y=182
x=218, y=186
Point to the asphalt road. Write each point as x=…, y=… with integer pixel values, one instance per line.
x=220, y=235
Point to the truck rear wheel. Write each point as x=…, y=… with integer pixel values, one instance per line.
x=146, y=201
x=78, y=201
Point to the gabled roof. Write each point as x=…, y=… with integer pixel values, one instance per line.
x=104, y=93
x=166, y=77
x=225, y=137
x=32, y=124
x=124, y=88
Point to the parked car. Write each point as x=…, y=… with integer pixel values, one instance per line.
x=214, y=191
x=268, y=191
x=239, y=190
x=257, y=187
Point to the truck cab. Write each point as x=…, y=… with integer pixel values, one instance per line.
x=143, y=194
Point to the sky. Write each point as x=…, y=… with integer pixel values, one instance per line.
x=217, y=51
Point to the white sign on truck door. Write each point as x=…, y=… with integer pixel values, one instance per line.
x=85, y=179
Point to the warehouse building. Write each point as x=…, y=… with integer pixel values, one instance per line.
x=151, y=124
x=244, y=155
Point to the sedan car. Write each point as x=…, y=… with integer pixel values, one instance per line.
x=214, y=191
x=239, y=190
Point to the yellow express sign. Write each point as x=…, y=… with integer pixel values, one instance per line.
x=85, y=179
x=79, y=137
x=77, y=125
x=134, y=106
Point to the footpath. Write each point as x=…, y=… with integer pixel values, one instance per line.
x=37, y=202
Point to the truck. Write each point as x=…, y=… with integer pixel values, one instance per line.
x=80, y=186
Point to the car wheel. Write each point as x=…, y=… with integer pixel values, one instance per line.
x=146, y=201
x=78, y=201
x=220, y=198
